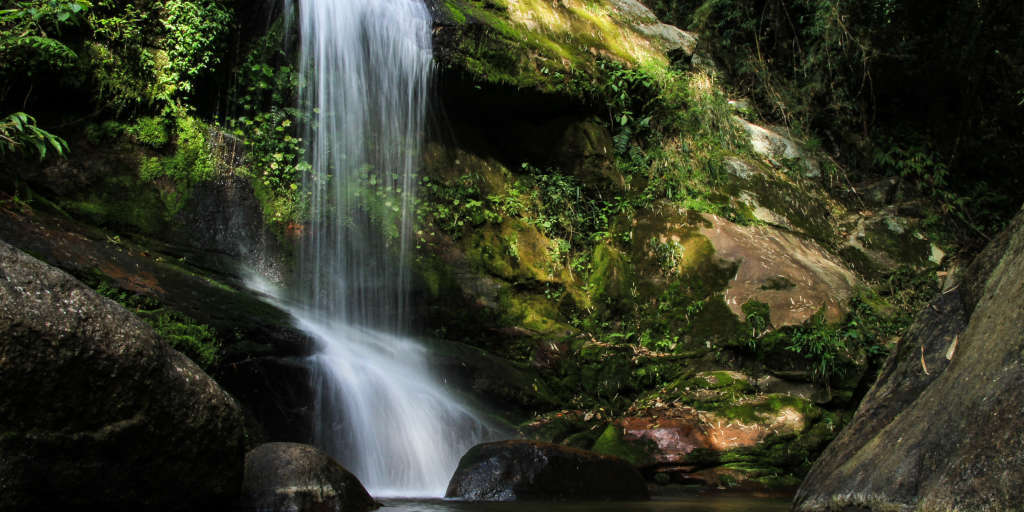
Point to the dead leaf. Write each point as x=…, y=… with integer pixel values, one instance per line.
x=924, y=366
x=952, y=347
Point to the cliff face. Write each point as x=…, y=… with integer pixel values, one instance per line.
x=942, y=427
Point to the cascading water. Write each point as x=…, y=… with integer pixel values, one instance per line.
x=365, y=71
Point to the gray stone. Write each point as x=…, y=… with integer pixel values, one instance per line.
x=531, y=470
x=942, y=427
x=97, y=411
x=291, y=477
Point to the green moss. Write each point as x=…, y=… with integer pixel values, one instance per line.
x=611, y=277
x=534, y=44
x=150, y=131
x=120, y=201
x=757, y=412
x=453, y=10
x=611, y=442
x=533, y=312
x=192, y=163
x=583, y=440
x=196, y=340
x=897, y=241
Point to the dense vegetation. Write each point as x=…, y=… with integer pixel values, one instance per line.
x=931, y=95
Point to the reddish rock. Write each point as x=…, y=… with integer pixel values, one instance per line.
x=793, y=275
x=674, y=438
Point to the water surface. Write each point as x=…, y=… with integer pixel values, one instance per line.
x=674, y=504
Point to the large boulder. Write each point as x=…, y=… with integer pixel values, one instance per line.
x=261, y=365
x=532, y=470
x=942, y=427
x=96, y=410
x=290, y=477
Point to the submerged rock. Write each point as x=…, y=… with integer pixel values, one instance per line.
x=531, y=470
x=96, y=411
x=941, y=428
x=298, y=477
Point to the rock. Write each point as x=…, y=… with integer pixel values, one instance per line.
x=282, y=477
x=277, y=395
x=531, y=470
x=95, y=410
x=555, y=39
x=793, y=275
x=880, y=240
x=664, y=441
x=941, y=427
x=209, y=298
x=772, y=384
x=776, y=147
x=262, y=338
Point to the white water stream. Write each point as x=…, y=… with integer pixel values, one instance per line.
x=365, y=70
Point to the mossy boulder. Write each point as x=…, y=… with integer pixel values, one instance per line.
x=537, y=45
x=881, y=240
x=638, y=451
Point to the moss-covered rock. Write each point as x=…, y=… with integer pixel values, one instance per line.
x=531, y=44
x=637, y=452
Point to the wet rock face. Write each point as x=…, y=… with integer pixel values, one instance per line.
x=941, y=428
x=531, y=470
x=96, y=411
x=297, y=477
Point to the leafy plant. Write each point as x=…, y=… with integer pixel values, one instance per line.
x=266, y=119
x=193, y=28
x=822, y=344
x=19, y=132
x=29, y=31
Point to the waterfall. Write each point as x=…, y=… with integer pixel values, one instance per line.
x=365, y=69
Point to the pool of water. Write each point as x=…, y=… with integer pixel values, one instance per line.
x=673, y=504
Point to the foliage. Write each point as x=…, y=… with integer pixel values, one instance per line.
x=927, y=174
x=454, y=207
x=191, y=163
x=192, y=30
x=28, y=31
x=123, y=55
x=824, y=345
x=672, y=131
x=196, y=340
x=266, y=119
x=19, y=132
x=150, y=131
x=935, y=89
